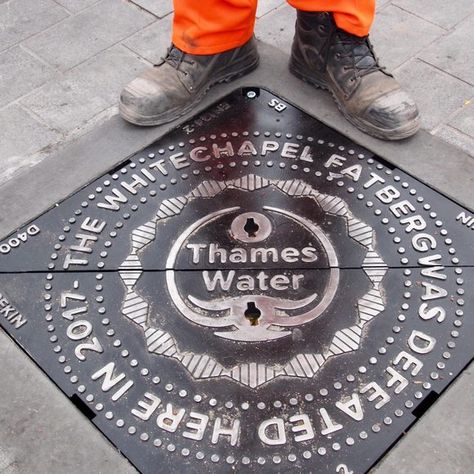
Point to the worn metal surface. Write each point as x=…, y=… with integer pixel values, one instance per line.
x=252, y=290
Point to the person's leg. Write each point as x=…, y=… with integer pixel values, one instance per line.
x=354, y=16
x=212, y=26
x=212, y=42
x=331, y=50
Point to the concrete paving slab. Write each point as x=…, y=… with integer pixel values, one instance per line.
x=41, y=430
x=265, y=6
x=448, y=53
x=152, y=42
x=75, y=6
x=444, y=14
x=398, y=35
x=159, y=8
x=6, y=460
x=20, y=72
x=435, y=102
x=24, y=18
x=464, y=119
x=457, y=138
x=87, y=33
x=22, y=136
x=84, y=91
x=441, y=441
x=381, y=4
x=277, y=27
x=431, y=159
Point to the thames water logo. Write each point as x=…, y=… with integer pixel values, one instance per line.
x=252, y=316
x=237, y=289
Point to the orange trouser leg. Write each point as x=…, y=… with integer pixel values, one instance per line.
x=353, y=16
x=213, y=26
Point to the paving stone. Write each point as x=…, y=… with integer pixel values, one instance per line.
x=21, y=19
x=152, y=42
x=399, y=35
x=21, y=137
x=85, y=90
x=277, y=27
x=36, y=416
x=457, y=138
x=453, y=53
x=441, y=12
x=5, y=460
x=11, y=469
x=443, y=436
x=379, y=4
x=464, y=120
x=437, y=94
x=265, y=6
x=76, y=5
x=88, y=33
x=20, y=73
x=160, y=8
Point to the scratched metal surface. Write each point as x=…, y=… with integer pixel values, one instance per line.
x=253, y=290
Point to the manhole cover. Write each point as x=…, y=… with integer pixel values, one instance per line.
x=252, y=291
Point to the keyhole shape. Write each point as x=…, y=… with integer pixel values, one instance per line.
x=252, y=313
x=251, y=227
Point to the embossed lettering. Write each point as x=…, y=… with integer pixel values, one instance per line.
x=170, y=419
x=272, y=431
x=420, y=342
x=149, y=406
x=198, y=426
x=111, y=380
x=352, y=407
x=302, y=425
x=376, y=393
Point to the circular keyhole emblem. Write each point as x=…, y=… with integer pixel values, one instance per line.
x=251, y=227
x=252, y=313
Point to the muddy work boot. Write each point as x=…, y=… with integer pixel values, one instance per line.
x=346, y=65
x=176, y=85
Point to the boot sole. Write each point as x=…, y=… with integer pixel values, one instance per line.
x=154, y=120
x=394, y=134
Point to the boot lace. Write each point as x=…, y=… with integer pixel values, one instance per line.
x=358, y=52
x=175, y=58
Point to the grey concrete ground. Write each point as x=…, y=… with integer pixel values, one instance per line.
x=63, y=63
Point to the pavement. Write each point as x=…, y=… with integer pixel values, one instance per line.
x=62, y=67
x=64, y=62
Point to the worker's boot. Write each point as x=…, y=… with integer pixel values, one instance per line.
x=176, y=85
x=346, y=65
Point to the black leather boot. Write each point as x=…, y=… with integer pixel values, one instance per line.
x=176, y=85
x=346, y=65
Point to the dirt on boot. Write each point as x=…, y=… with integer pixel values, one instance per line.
x=180, y=81
x=346, y=65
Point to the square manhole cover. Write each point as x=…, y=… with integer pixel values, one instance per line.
x=251, y=291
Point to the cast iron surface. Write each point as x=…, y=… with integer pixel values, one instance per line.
x=251, y=291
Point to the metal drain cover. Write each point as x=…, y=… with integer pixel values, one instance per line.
x=252, y=291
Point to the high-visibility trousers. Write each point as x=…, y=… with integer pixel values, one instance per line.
x=213, y=26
